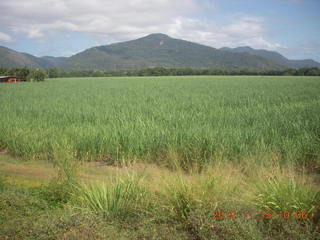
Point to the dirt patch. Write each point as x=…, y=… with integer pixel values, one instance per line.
x=96, y=164
x=4, y=151
x=33, y=172
x=105, y=162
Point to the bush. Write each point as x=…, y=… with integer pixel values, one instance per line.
x=37, y=75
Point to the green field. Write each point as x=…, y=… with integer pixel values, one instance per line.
x=186, y=120
x=190, y=158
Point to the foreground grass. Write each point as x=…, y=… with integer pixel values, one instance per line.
x=188, y=158
x=170, y=121
x=148, y=202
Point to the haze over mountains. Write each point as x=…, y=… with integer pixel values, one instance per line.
x=156, y=50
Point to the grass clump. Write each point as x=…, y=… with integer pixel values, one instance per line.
x=60, y=188
x=180, y=199
x=122, y=196
x=286, y=194
x=3, y=182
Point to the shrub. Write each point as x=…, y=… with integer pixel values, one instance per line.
x=37, y=75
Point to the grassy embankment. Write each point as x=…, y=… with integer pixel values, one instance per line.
x=230, y=143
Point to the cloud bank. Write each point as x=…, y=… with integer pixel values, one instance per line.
x=128, y=19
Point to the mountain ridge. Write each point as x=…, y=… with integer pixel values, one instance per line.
x=160, y=50
x=10, y=58
x=275, y=56
x=156, y=50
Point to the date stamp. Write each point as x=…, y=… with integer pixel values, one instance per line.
x=217, y=215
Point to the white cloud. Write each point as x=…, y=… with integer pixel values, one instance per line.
x=5, y=37
x=246, y=27
x=34, y=17
x=128, y=19
x=242, y=30
x=34, y=33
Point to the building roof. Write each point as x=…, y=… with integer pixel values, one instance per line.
x=8, y=77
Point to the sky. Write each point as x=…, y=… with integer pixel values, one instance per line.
x=66, y=27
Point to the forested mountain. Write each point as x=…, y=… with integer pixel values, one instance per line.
x=159, y=50
x=10, y=59
x=156, y=50
x=274, y=56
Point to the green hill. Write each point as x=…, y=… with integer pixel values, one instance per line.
x=157, y=50
x=276, y=57
x=10, y=59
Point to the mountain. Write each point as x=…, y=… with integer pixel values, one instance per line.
x=10, y=59
x=305, y=63
x=274, y=56
x=53, y=61
x=157, y=50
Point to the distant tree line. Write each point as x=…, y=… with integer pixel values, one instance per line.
x=30, y=75
x=160, y=71
x=40, y=74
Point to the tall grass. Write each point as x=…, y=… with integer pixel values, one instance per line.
x=180, y=199
x=119, y=197
x=144, y=201
x=287, y=194
x=193, y=119
x=59, y=189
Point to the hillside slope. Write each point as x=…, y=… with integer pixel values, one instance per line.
x=156, y=50
x=10, y=59
x=161, y=50
x=275, y=56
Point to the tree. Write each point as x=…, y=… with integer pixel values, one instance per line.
x=3, y=71
x=22, y=73
x=53, y=73
x=37, y=75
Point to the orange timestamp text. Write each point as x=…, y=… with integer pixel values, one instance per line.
x=263, y=214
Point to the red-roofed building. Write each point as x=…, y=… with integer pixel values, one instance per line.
x=10, y=79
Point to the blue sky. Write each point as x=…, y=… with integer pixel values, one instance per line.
x=65, y=27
